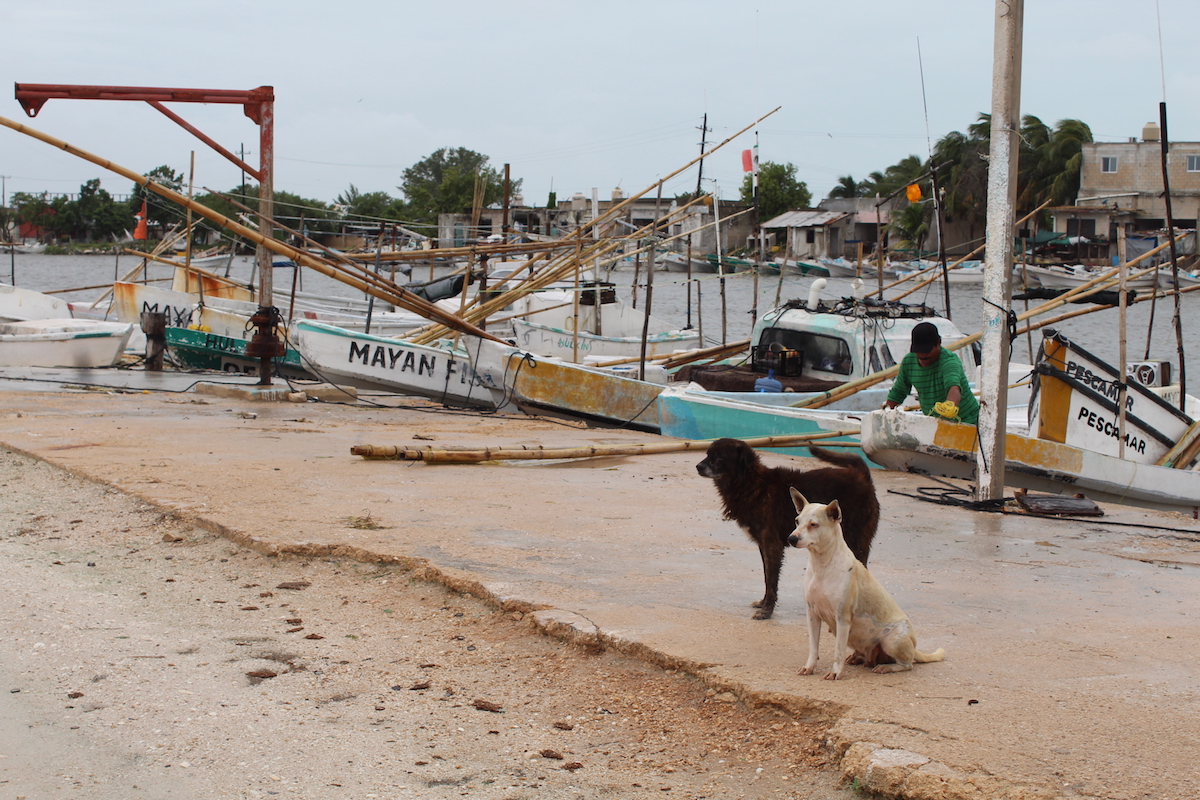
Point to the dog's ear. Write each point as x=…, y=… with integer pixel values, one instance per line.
x=747, y=459
x=797, y=499
x=834, y=510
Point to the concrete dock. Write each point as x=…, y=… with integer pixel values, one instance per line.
x=1071, y=645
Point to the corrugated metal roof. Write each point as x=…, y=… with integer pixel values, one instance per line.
x=805, y=219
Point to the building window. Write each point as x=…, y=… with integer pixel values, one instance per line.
x=1193, y=163
x=1108, y=164
x=1081, y=227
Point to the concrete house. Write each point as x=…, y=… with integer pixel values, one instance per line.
x=1121, y=185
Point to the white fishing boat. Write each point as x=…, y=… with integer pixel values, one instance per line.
x=570, y=345
x=934, y=446
x=967, y=272
x=439, y=372
x=548, y=386
x=678, y=262
x=18, y=304
x=62, y=343
x=1077, y=443
x=33, y=248
x=1068, y=276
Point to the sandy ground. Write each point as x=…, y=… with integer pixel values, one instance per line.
x=1070, y=668
x=142, y=657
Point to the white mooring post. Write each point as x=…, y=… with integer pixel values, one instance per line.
x=997, y=273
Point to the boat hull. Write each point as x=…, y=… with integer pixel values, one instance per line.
x=932, y=446
x=194, y=349
x=63, y=343
x=542, y=386
x=691, y=414
x=380, y=363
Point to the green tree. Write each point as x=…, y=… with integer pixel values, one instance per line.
x=778, y=190
x=847, y=187
x=444, y=183
x=290, y=209
x=1050, y=161
x=369, y=207
x=159, y=210
x=904, y=172
x=33, y=209
x=911, y=223
x=962, y=172
x=100, y=217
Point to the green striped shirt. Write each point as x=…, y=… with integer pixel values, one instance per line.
x=933, y=382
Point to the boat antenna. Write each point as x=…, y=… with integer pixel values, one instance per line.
x=937, y=200
x=1164, y=148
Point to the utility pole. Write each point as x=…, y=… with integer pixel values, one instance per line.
x=4, y=200
x=703, y=141
x=997, y=271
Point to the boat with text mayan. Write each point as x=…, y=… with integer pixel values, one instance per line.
x=438, y=371
x=1082, y=437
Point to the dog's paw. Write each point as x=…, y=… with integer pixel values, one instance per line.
x=807, y=670
x=832, y=676
x=764, y=613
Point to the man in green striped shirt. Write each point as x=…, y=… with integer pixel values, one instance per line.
x=938, y=376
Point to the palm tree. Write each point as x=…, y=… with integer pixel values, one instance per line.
x=846, y=187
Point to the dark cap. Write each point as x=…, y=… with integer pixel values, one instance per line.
x=925, y=337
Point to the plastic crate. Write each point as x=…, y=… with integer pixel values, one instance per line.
x=786, y=363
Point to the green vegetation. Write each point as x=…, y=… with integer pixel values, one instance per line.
x=1049, y=161
x=778, y=190
x=443, y=182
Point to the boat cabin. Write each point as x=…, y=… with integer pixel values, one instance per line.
x=842, y=343
x=812, y=347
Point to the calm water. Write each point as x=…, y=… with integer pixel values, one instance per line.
x=1097, y=332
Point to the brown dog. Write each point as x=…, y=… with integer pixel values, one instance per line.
x=868, y=627
x=756, y=498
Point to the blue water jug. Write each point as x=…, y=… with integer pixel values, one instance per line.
x=768, y=384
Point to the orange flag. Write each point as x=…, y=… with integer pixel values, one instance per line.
x=140, y=231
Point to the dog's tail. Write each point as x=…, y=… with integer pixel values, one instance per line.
x=925, y=658
x=847, y=460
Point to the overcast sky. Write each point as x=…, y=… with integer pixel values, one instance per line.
x=572, y=95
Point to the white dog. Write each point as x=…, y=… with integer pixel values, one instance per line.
x=868, y=626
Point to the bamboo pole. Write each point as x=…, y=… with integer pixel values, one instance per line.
x=434, y=455
x=381, y=288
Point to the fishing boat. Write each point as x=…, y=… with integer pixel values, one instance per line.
x=678, y=262
x=538, y=385
x=686, y=411
x=197, y=349
x=793, y=266
x=967, y=272
x=1077, y=443
x=18, y=304
x=62, y=343
x=814, y=346
x=577, y=346
x=1068, y=276
x=440, y=372
x=28, y=249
